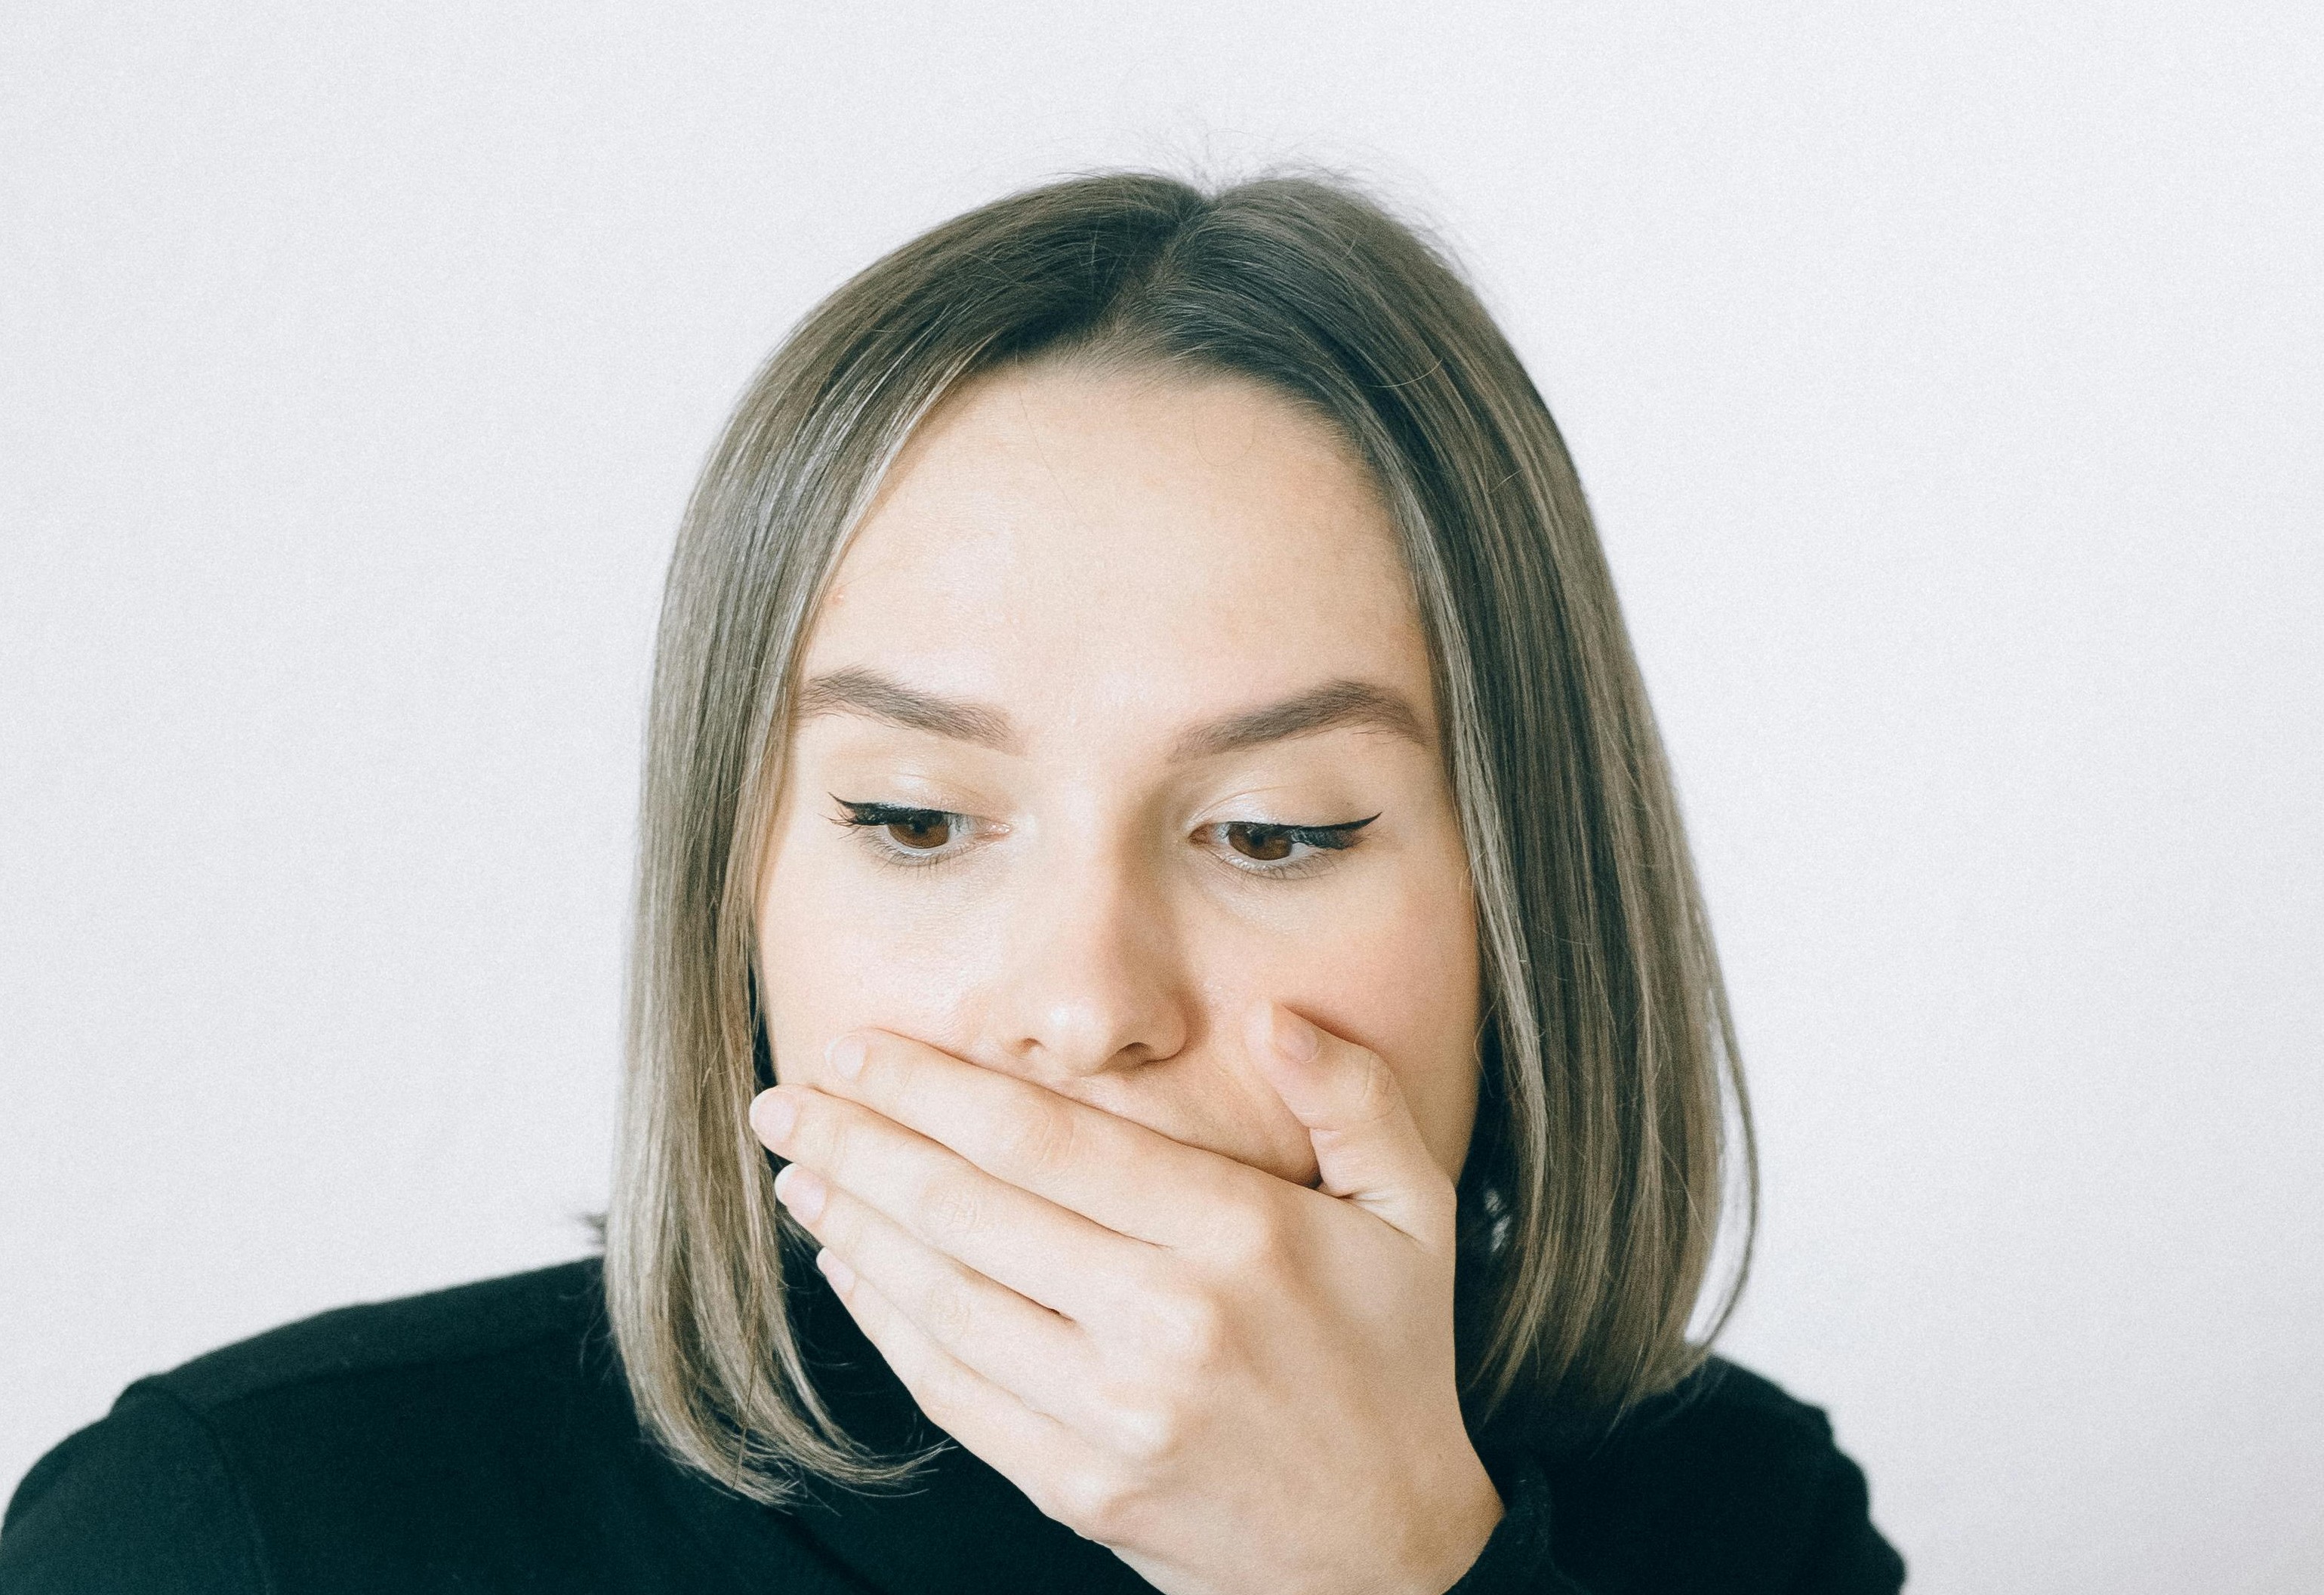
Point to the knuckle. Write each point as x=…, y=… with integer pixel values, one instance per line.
x=1378, y=1095
x=948, y=1313
x=1192, y=1332
x=823, y=1137
x=1042, y=1141
x=838, y=1223
x=1094, y=1504
x=952, y=1207
x=1255, y=1237
x=1146, y=1433
x=890, y=1084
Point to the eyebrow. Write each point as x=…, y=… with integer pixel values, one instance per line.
x=1334, y=706
x=867, y=692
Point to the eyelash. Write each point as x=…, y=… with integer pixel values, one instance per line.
x=869, y=820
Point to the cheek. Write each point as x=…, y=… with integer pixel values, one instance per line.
x=1400, y=976
x=1393, y=969
x=830, y=962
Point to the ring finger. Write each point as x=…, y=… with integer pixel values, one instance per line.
x=1020, y=1345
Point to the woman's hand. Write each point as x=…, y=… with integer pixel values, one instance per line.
x=1235, y=1383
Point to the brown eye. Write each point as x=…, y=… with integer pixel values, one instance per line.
x=923, y=831
x=1264, y=843
x=911, y=836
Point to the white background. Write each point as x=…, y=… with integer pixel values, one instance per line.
x=1947, y=379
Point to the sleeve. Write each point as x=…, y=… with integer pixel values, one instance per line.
x=138, y=1503
x=1830, y=1547
x=1845, y=1554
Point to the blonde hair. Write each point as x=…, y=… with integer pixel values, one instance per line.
x=1594, y=1187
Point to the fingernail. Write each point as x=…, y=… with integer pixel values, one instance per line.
x=1294, y=1037
x=802, y=1191
x=842, y=1277
x=845, y=1056
x=775, y=1114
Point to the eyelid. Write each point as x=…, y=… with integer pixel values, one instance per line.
x=1325, y=843
x=866, y=820
x=1342, y=831
x=888, y=814
x=1342, y=828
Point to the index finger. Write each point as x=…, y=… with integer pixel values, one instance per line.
x=1095, y=1162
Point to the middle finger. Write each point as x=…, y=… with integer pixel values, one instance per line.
x=1018, y=1344
x=1042, y=1251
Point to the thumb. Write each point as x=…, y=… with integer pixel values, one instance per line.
x=1367, y=1143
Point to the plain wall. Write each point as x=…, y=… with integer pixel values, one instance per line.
x=1946, y=377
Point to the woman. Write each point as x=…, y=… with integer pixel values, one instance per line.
x=1165, y=958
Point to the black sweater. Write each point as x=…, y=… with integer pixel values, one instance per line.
x=482, y=1439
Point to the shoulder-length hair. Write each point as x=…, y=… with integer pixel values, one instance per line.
x=1603, y=1149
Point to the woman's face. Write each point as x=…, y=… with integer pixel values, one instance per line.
x=1101, y=692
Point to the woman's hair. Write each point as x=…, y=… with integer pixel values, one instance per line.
x=1604, y=1149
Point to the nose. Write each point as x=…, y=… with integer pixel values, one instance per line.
x=1090, y=981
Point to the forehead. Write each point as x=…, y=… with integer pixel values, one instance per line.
x=1162, y=540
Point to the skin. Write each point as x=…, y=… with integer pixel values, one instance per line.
x=1126, y=1107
